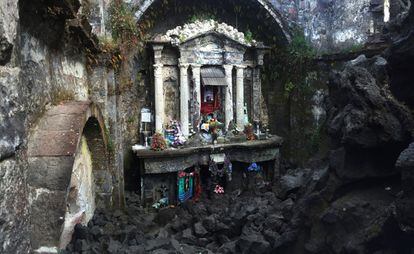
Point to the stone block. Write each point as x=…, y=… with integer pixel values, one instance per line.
x=53, y=173
x=62, y=122
x=163, y=165
x=74, y=107
x=47, y=216
x=54, y=143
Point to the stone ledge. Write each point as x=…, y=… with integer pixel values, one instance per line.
x=257, y=144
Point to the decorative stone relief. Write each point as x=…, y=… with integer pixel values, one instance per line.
x=181, y=34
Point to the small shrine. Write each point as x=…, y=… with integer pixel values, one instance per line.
x=206, y=70
x=208, y=113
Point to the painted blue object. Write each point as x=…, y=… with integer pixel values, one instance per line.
x=185, y=187
x=254, y=167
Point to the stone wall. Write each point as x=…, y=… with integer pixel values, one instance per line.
x=13, y=210
x=14, y=221
x=335, y=25
x=331, y=25
x=42, y=63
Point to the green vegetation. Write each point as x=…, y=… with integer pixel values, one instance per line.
x=110, y=143
x=292, y=70
x=131, y=119
x=89, y=7
x=292, y=65
x=62, y=95
x=354, y=48
x=126, y=35
x=201, y=16
x=123, y=25
x=107, y=44
x=248, y=36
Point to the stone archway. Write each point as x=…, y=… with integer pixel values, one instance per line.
x=67, y=158
x=270, y=10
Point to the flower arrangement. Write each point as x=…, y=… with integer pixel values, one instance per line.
x=158, y=142
x=214, y=126
x=248, y=130
x=219, y=189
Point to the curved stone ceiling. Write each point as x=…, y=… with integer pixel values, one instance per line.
x=276, y=16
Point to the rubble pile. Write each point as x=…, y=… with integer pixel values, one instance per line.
x=230, y=223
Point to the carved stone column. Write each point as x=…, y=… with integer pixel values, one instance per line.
x=159, y=98
x=158, y=89
x=257, y=87
x=184, y=97
x=240, y=97
x=256, y=94
x=228, y=109
x=197, y=95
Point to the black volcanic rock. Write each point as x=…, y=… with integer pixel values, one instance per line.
x=400, y=57
x=406, y=163
x=368, y=126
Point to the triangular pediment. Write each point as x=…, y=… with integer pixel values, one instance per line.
x=210, y=40
x=188, y=32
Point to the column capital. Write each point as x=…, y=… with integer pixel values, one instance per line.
x=194, y=65
x=241, y=66
x=259, y=57
x=228, y=68
x=157, y=52
x=182, y=64
x=157, y=47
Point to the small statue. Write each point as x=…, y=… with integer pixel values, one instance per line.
x=248, y=130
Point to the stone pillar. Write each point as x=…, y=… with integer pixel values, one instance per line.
x=184, y=97
x=197, y=95
x=228, y=69
x=240, y=97
x=257, y=87
x=256, y=94
x=158, y=89
x=159, y=98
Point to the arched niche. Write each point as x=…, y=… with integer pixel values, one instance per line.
x=249, y=14
x=68, y=173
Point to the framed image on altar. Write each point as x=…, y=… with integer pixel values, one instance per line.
x=145, y=115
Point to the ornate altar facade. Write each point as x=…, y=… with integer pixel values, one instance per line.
x=205, y=68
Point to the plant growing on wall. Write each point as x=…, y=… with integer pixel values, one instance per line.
x=202, y=16
x=248, y=36
x=293, y=70
x=122, y=24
